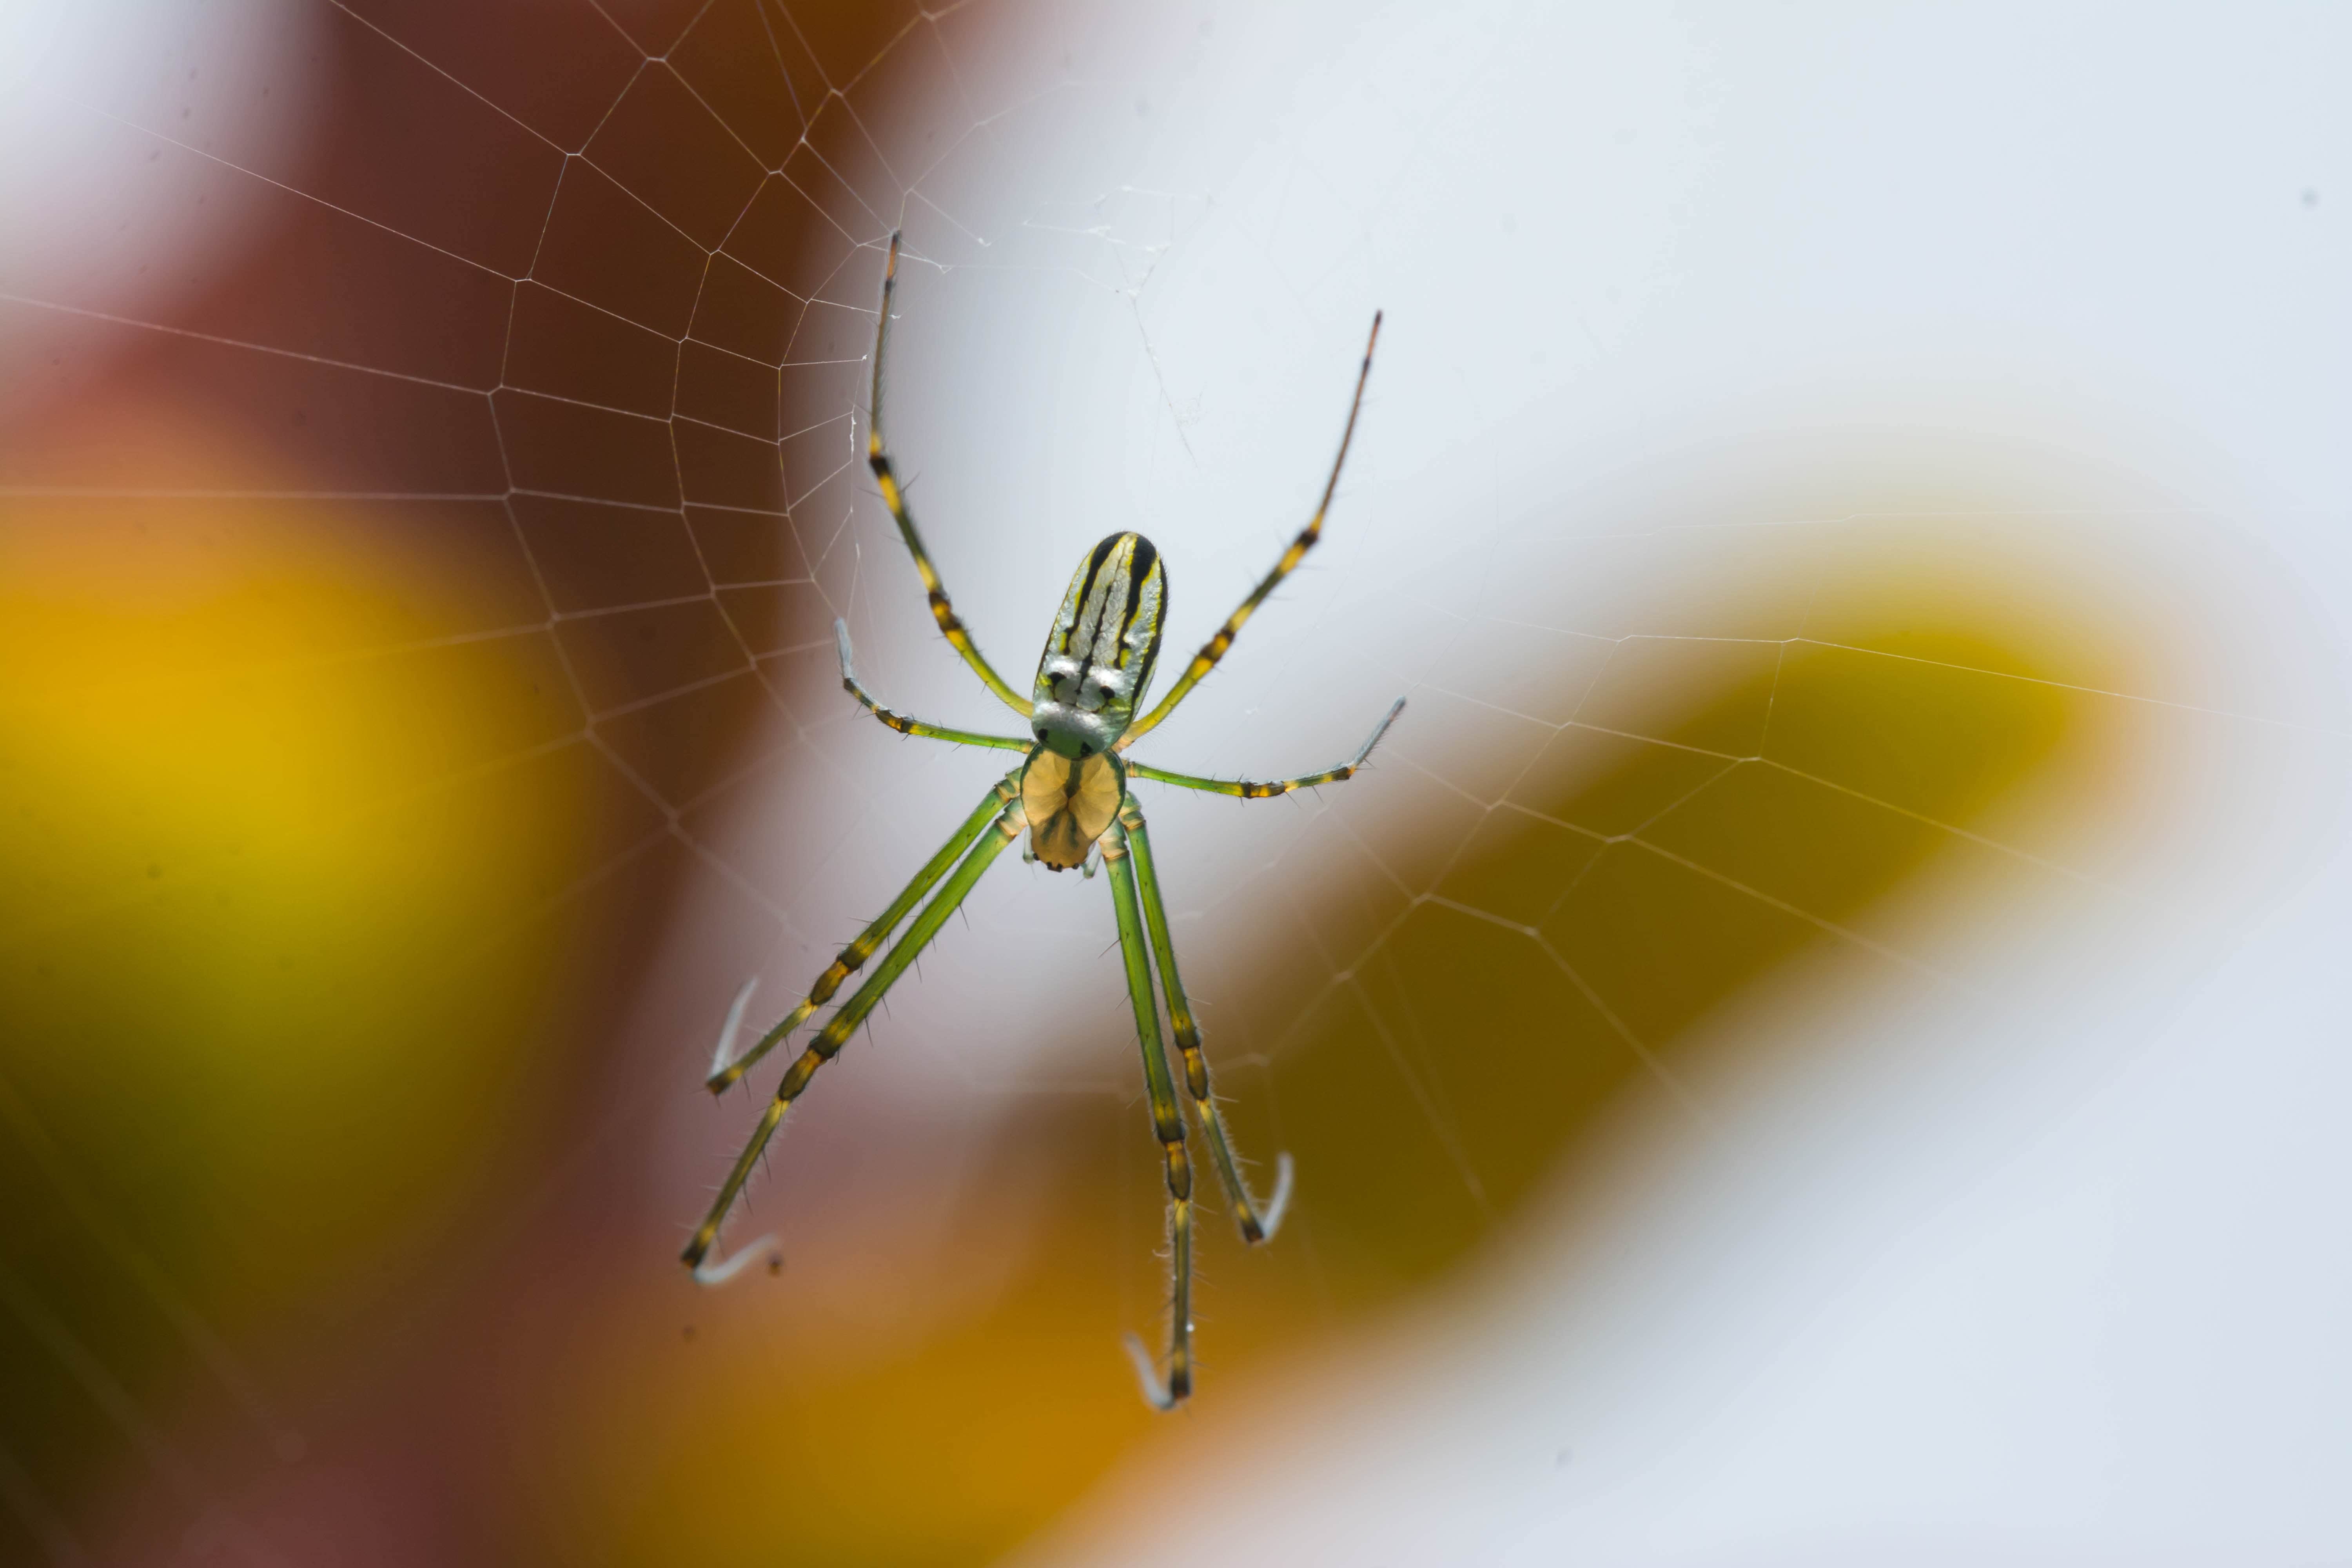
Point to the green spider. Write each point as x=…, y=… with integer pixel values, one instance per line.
x=1070, y=793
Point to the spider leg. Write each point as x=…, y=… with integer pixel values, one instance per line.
x=1214, y=648
x=899, y=721
x=1259, y=1223
x=1256, y=789
x=1009, y=825
x=1168, y=1126
x=725, y=1071
x=878, y=458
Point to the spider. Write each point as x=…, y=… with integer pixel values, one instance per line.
x=1070, y=793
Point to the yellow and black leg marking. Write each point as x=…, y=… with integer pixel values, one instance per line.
x=1214, y=648
x=878, y=458
x=1009, y=825
x=1168, y=1126
x=725, y=1068
x=1257, y=1222
x=899, y=721
x=1257, y=789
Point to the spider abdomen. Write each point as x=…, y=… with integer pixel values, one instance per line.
x=1099, y=654
x=1069, y=805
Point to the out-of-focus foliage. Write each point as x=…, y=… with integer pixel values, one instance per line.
x=273, y=859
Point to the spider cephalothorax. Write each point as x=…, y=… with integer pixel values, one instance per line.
x=1070, y=794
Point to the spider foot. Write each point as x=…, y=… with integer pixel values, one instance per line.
x=723, y=1068
x=1147, y=1374
x=715, y=1271
x=1278, y=1203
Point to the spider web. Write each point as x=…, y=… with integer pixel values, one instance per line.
x=1718, y=719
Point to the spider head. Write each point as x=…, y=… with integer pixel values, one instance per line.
x=1098, y=657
